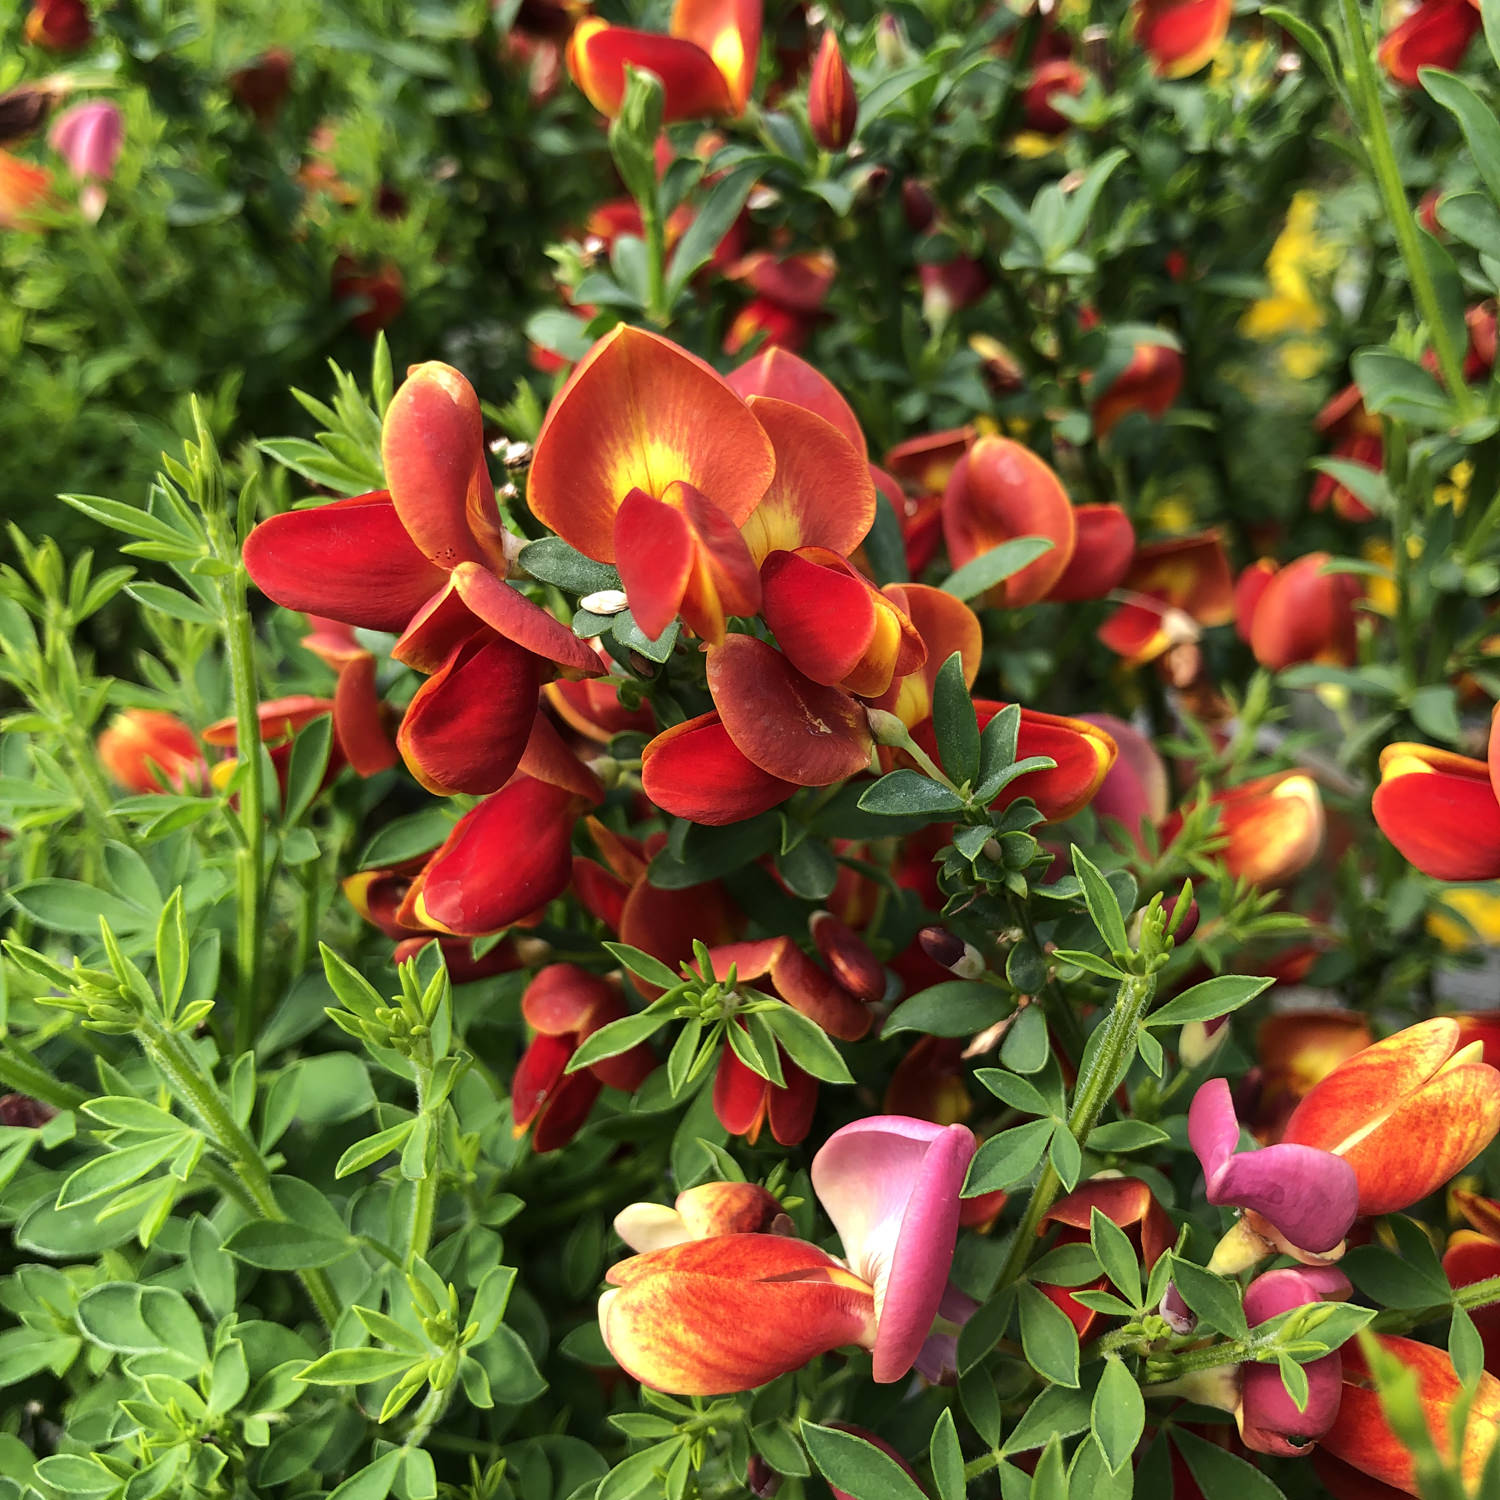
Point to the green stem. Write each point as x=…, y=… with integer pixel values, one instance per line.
x=21, y=1072
x=250, y=873
x=428, y=1414
x=201, y=1095
x=1366, y=93
x=424, y=1190
x=656, y=263
x=1406, y=639
x=1116, y=1048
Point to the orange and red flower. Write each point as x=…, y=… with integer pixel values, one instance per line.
x=1435, y=35
x=1181, y=36
x=832, y=107
x=1298, y=613
x=146, y=750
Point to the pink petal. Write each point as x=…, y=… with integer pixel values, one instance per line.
x=891, y=1186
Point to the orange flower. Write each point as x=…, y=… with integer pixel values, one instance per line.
x=1362, y=1437
x=142, y=748
x=1442, y=810
x=1297, y=613
x=1176, y=587
x=1181, y=36
x=24, y=189
x=1435, y=35
x=59, y=25
x=832, y=108
x=1406, y=1113
x=1148, y=384
x=706, y=65
x=1272, y=827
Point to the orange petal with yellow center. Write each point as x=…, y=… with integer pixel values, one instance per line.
x=925, y=463
x=1001, y=490
x=1189, y=573
x=821, y=495
x=640, y=413
x=729, y=31
x=945, y=624
x=781, y=720
x=1272, y=827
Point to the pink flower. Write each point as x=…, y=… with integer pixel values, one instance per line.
x=89, y=137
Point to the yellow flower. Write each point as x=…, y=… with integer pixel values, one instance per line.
x=1476, y=907
x=1172, y=515
x=1298, y=263
x=1455, y=491
x=1380, y=588
x=1030, y=144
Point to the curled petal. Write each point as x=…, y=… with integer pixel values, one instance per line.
x=1440, y=810
x=351, y=560
x=564, y=1000
x=778, y=372
x=1272, y=827
x=467, y=726
x=729, y=31
x=510, y=613
x=359, y=718
x=432, y=444
x=1126, y=1201
x=143, y=748
x=1435, y=35
x=678, y=1321
x=1310, y=1195
x=640, y=413
x=945, y=624
x=509, y=856
x=788, y=725
x=1268, y=1418
x=544, y=1093
x=845, y=953
x=1302, y=613
x=1001, y=490
x=744, y=1101
x=821, y=494
x=891, y=1186
x=695, y=771
x=1102, y=551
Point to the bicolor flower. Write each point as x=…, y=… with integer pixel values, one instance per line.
x=1442, y=810
x=1435, y=35
x=1271, y=827
x=1296, y=1050
x=1268, y=1419
x=1000, y=490
x=1297, y=613
x=146, y=750
x=279, y=721
x=677, y=1316
x=1406, y=1113
x=59, y=25
x=1473, y=1254
x=832, y=106
x=563, y=1005
x=1103, y=549
x=706, y=64
x=1181, y=36
x=1361, y=1437
x=1174, y=589
x=1149, y=384
x=1299, y=1199
x=1124, y=1201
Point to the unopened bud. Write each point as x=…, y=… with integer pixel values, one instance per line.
x=832, y=109
x=605, y=602
x=760, y=1478
x=919, y=205
x=1199, y=1040
x=1182, y=920
x=886, y=728
x=1180, y=1318
x=890, y=41
x=24, y=110
x=952, y=952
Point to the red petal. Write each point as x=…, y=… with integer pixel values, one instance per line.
x=694, y=771
x=537, y=1075
x=1435, y=35
x=1304, y=614
x=741, y=1097
x=791, y=1109
x=822, y=494
x=599, y=53
x=823, y=616
x=640, y=413
x=998, y=491
x=1440, y=810
x=513, y=615
x=926, y=463
x=724, y=580
x=565, y=1112
x=945, y=625
x=729, y=31
x=779, y=373
x=1190, y=573
x=564, y=1000
x=1102, y=553
x=654, y=553
x=465, y=729
x=351, y=560
x=509, y=856
x=785, y=723
x=433, y=447
x=1181, y=35
x=359, y=719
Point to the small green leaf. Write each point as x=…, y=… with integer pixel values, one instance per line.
x=856, y=1467
x=982, y=573
x=955, y=723
x=957, y=1007
x=1104, y=910
x=1119, y=1414
x=1116, y=1255
x=617, y=1037
x=1210, y=1000
x=909, y=794
x=1007, y=1158
x=1216, y=1301
x=947, y=1459
x=1048, y=1337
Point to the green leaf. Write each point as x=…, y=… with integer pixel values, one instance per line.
x=947, y=1459
x=1210, y=1000
x=1116, y=1256
x=721, y=207
x=1308, y=37
x=406, y=838
x=70, y=906
x=1125, y=1135
x=85, y=1478
x=1027, y=1046
x=172, y=602
x=278, y=1246
x=372, y=1148
x=1048, y=1337
x=115, y=1170
x=1465, y=1347
x=553, y=561
x=1220, y=1473
x=856, y=1467
x=997, y=751
x=356, y=1366
x=909, y=794
x=1119, y=1414
x=1475, y=118
x=644, y=966
x=374, y=1481
x=1394, y=386
x=1392, y=1280
x=1007, y=1158
x=778, y=1445
x=1103, y=909
x=1294, y=1378
x=957, y=1007
x=305, y=770
x=1216, y=1301
x=1066, y=1158
x=1058, y=1409
x=807, y=1044
x=1014, y=1091
x=617, y=1037
x=983, y=572
x=955, y=723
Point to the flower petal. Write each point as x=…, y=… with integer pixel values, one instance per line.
x=729, y=31
x=692, y=84
x=694, y=771
x=1440, y=810
x=779, y=373
x=640, y=413
x=351, y=560
x=1102, y=552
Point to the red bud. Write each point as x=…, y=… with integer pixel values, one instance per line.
x=832, y=109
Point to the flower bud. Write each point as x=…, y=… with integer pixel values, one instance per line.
x=918, y=204
x=890, y=41
x=1180, y=1318
x=24, y=109
x=1199, y=1040
x=953, y=953
x=262, y=86
x=1180, y=924
x=832, y=109
x=760, y=1478
x=845, y=953
x=59, y=25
